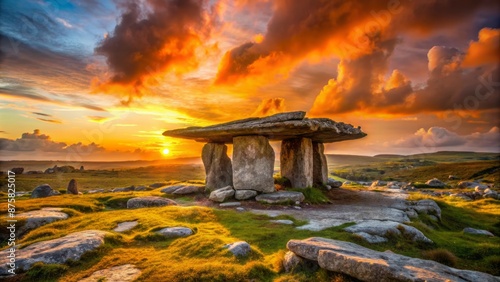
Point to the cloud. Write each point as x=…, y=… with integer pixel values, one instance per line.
x=442, y=137
x=98, y=119
x=49, y=120
x=41, y=114
x=32, y=142
x=151, y=39
x=270, y=106
x=485, y=50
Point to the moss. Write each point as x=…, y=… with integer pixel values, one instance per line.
x=45, y=272
x=313, y=195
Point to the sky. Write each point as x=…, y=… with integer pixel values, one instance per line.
x=101, y=80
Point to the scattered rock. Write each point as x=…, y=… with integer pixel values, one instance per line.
x=218, y=167
x=452, y=177
x=121, y=273
x=382, y=228
x=189, y=189
x=230, y=204
x=436, y=183
x=43, y=191
x=427, y=207
x=96, y=191
x=151, y=201
x=37, y=218
x=172, y=188
x=334, y=183
x=373, y=266
x=412, y=213
x=282, y=221
x=244, y=194
x=281, y=197
x=467, y=184
x=175, y=232
x=222, y=194
x=461, y=196
x=378, y=183
x=291, y=261
x=239, y=249
x=240, y=209
x=58, y=251
x=124, y=189
x=17, y=170
x=158, y=185
x=470, y=230
x=125, y=226
x=372, y=239
x=72, y=187
x=480, y=188
x=142, y=188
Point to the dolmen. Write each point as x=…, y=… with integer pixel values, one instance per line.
x=302, y=158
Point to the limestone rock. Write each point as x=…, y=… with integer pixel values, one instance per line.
x=470, y=230
x=296, y=161
x=17, y=170
x=245, y=194
x=43, y=191
x=59, y=251
x=150, y=201
x=480, y=188
x=334, y=183
x=172, y=188
x=37, y=218
x=222, y=194
x=239, y=249
x=218, y=168
x=381, y=228
x=378, y=183
x=291, y=261
x=253, y=164
x=436, y=183
x=158, y=185
x=277, y=127
x=189, y=189
x=467, y=184
x=281, y=197
x=121, y=273
x=320, y=166
x=427, y=207
x=125, y=226
x=124, y=189
x=373, y=266
x=282, y=221
x=372, y=239
x=72, y=187
x=230, y=204
x=175, y=232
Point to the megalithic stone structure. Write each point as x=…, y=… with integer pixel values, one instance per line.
x=302, y=152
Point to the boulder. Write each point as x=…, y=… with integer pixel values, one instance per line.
x=189, y=189
x=281, y=197
x=218, y=168
x=480, y=188
x=175, y=232
x=172, y=188
x=43, y=191
x=150, y=201
x=373, y=266
x=461, y=196
x=230, y=204
x=291, y=261
x=124, y=189
x=253, y=164
x=222, y=194
x=239, y=249
x=296, y=161
x=158, y=184
x=121, y=273
x=125, y=226
x=435, y=183
x=320, y=166
x=427, y=207
x=72, y=187
x=58, y=251
x=244, y=194
x=380, y=229
x=17, y=170
x=452, y=177
x=467, y=184
x=334, y=183
x=37, y=218
x=470, y=230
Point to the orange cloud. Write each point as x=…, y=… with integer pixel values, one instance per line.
x=485, y=50
x=270, y=107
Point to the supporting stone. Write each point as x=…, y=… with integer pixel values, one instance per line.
x=253, y=164
x=296, y=161
x=320, y=166
x=218, y=168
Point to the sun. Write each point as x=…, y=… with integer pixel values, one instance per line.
x=165, y=151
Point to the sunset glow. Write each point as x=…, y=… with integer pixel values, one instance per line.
x=101, y=80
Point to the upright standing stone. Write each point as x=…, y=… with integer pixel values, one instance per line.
x=253, y=164
x=320, y=166
x=296, y=161
x=218, y=168
x=72, y=187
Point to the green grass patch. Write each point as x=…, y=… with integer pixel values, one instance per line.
x=312, y=195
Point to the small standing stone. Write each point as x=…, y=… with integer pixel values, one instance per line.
x=72, y=187
x=239, y=249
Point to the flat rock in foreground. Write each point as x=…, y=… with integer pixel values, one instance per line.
x=121, y=273
x=277, y=127
x=37, y=218
x=150, y=201
x=60, y=250
x=373, y=266
x=282, y=197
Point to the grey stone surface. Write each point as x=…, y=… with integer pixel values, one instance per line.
x=158, y=185
x=175, y=232
x=230, y=204
x=296, y=161
x=37, y=218
x=72, y=187
x=239, y=249
x=373, y=239
x=43, y=191
x=244, y=194
x=381, y=228
x=435, y=183
x=189, y=189
x=172, y=188
x=60, y=250
x=124, y=189
x=277, y=127
x=125, y=226
x=320, y=166
x=470, y=230
x=282, y=221
x=334, y=183
x=150, y=201
x=373, y=266
x=218, y=167
x=291, y=261
x=253, y=164
x=222, y=194
x=467, y=184
x=121, y=273
x=280, y=197
x=426, y=207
